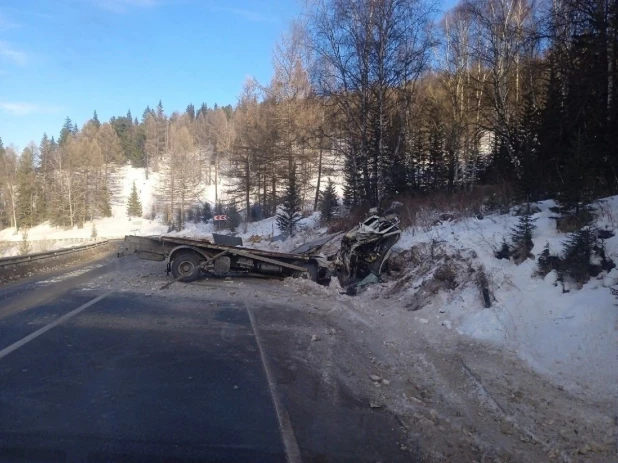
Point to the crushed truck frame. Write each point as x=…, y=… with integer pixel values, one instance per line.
x=187, y=258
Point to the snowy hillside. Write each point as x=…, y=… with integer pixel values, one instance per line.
x=572, y=337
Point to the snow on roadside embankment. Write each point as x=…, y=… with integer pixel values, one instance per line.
x=571, y=337
x=44, y=237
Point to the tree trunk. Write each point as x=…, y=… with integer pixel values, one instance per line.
x=317, y=188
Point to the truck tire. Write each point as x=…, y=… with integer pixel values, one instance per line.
x=186, y=263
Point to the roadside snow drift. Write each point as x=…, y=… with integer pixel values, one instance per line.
x=572, y=337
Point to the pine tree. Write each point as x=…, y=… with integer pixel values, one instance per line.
x=288, y=215
x=66, y=131
x=577, y=251
x=203, y=110
x=328, y=202
x=546, y=262
x=146, y=113
x=191, y=111
x=504, y=252
x=24, y=246
x=197, y=214
x=521, y=237
x=103, y=202
x=95, y=119
x=351, y=178
x=129, y=139
x=576, y=191
x=219, y=209
x=206, y=212
x=233, y=216
x=26, y=190
x=436, y=162
x=529, y=184
x=189, y=214
x=134, y=206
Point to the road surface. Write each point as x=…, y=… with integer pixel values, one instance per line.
x=93, y=371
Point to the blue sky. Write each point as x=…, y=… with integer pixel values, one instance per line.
x=63, y=58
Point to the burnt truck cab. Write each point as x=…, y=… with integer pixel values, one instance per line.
x=366, y=248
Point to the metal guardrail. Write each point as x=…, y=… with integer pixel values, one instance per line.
x=51, y=241
x=16, y=260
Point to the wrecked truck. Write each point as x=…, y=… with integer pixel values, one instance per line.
x=363, y=254
x=365, y=250
x=187, y=259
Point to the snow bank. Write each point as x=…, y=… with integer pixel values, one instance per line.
x=571, y=337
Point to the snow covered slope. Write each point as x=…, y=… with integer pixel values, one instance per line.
x=572, y=337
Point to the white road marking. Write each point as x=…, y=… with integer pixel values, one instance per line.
x=292, y=452
x=7, y=350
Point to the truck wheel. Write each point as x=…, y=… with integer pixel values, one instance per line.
x=186, y=264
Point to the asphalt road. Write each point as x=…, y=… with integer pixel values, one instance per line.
x=93, y=375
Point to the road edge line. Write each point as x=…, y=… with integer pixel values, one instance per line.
x=292, y=451
x=23, y=341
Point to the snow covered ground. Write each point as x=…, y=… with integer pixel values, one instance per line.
x=570, y=337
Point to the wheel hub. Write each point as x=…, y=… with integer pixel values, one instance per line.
x=185, y=267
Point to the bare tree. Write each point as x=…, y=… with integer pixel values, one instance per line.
x=8, y=183
x=366, y=52
x=507, y=33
